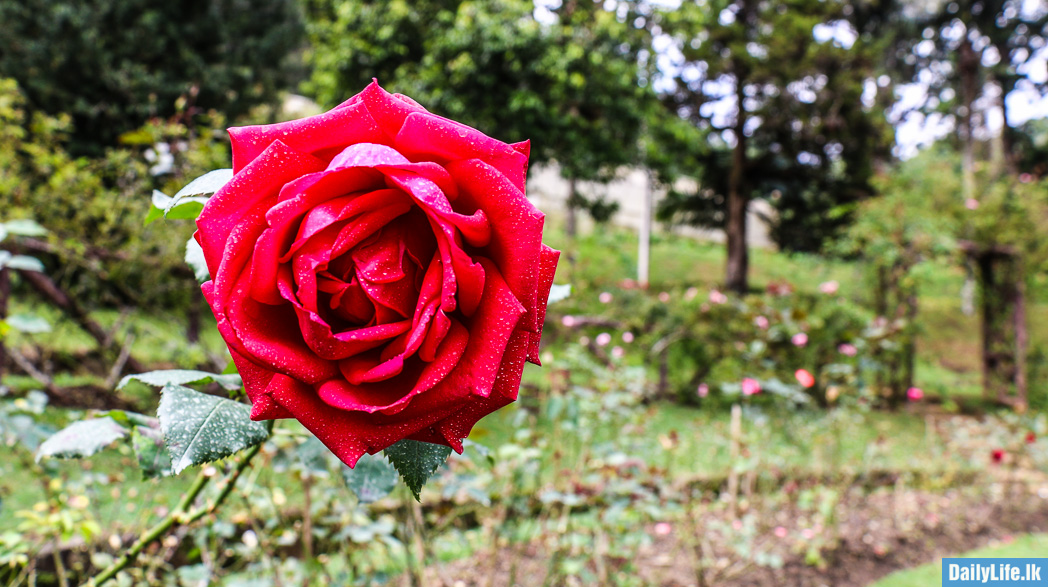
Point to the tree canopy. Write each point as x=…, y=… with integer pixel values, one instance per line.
x=113, y=65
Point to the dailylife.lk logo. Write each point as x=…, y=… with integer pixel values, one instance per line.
x=994, y=572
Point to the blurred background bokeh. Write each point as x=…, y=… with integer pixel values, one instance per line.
x=806, y=341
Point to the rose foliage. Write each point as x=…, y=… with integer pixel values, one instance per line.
x=377, y=272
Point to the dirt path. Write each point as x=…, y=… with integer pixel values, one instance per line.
x=867, y=537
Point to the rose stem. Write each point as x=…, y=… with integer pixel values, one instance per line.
x=180, y=516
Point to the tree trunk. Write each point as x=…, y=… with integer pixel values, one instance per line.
x=968, y=66
x=193, y=319
x=989, y=363
x=737, y=270
x=571, y=225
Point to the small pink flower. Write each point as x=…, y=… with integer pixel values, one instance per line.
x=805, y=378
x=690, y=293
x=663, y=529
x=808, y=533
x=1031, y=438
x=627, y=337
x=750, y=386
x=914, y=394
x=761, y=322
x=664, y=297
x=605, y=297
x=736, y=524
x=799, y=339
x=703, y=390
x=780, y=531
x=603, y=339
x=971, y=204
x=829, y=287
x=617, y=352
x=717, y=297
x=1025, y=177
x=848, y=350
x=568, y=321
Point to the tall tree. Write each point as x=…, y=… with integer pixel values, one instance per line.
x=568, y=81
x=972, y=56
x=112, y=65
x=786, y=114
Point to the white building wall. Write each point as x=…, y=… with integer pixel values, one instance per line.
x=549, y=191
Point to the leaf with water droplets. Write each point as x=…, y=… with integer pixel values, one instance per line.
x=195, y=260
x=153, y=459
x=190, y=200
x=416, y=461
x=182, y=377
x=81, y=439
x=200, y=428
x=371, y=479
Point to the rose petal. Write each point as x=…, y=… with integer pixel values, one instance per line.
x=392, y=397
x=388, y=110
x=490, y=329
x=547, y=270
x=366, y=155
x=337, y=346
x=425, y=135
x=269, y=335
x=259, y=183
x=256, y=380
x=506, y=387
x=516, y=228
x=317, y=135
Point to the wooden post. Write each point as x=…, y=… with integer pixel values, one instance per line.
x=1021, y=338
x=644, y=247
x=5, y=292
x=735, y=432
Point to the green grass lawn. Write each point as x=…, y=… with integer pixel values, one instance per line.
x=1027, y=546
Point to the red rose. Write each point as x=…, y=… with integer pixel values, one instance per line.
x=377, y=272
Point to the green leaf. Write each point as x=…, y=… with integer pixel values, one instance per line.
x=416, y=462
x=129, y=419
x=160, y=201
x=185, y=209
x=371, y=479
x=22, y=262
x=558, y=293
x=81, y=439
x=182, y=377
x=206, y=184
x=28, y=323
x=23, y=227
x=190, y=200
x=200, y=428
x=153, y=458
x=195, y=260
